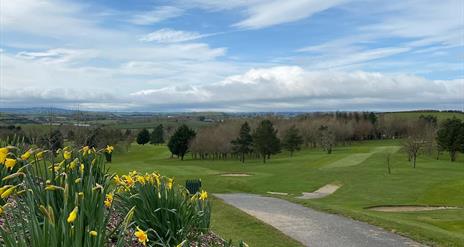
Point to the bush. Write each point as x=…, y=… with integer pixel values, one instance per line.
x=165, y=210
x=64, y=202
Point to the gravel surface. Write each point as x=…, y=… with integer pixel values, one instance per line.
x=314, y=228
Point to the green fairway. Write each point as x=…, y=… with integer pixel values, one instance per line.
x=360, y=169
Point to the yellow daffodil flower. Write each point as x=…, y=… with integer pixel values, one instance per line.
x=203, y=195
x=108, y=200
x=10, y=163
x=73, y=215
x=67, y=155
x=109, y=149
x=40, y=155
x=93, y=233
x=170, y=182
x=141, y=236
x=85, y=150
x=26, y=155
x=3, y=154
x=8, y=192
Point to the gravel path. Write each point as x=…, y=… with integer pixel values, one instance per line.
x=314, y=228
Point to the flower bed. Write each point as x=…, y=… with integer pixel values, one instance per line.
x=68, y=198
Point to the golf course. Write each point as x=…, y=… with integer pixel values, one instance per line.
x=358, y=173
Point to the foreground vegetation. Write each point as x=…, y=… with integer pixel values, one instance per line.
x=365, y=183
x=67, y=198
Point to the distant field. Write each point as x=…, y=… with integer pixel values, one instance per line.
x=166, y=123
x=440, y=115
x=364, y=180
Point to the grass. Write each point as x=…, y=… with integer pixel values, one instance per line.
x=365, y=183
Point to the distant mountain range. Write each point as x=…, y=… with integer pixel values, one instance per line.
x=37, y=110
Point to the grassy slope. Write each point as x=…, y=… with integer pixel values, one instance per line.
x=366, y=184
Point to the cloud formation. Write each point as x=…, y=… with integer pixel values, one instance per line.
x=292, y=87
x=167, y=35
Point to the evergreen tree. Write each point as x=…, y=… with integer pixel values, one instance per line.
x=292, y=140
x=157, y=136
x=243, y=144
x=143, y=137
x=265, y=140
x=53, y=141
x=179, y=142
x=450, y=137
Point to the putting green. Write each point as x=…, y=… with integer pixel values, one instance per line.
x=358, y=158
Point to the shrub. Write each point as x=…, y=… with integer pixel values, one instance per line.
x=61, y=201
x=165, y=210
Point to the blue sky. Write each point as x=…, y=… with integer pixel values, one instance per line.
x=237, y=55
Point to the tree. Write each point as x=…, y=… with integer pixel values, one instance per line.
x=450, y=137
x=327, y=138
x=412, y=145
x=179, y=142
x=292, y=140
x=157, y=136
x=53, y=141
x=372, y=118
x=143, y=137
x=265, y=140
x=243, y=144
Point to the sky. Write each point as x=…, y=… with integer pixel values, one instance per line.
x=232, y=56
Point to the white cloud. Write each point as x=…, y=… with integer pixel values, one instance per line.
x=271, y=13
x=167, y=35
x=266, y=13
x=292, y=87
x=59, y=55
x=156, y=15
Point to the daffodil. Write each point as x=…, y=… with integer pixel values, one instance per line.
x=117, y=180
x=40, y=155
x=67, y=155
x=10, y=163
x=108, y=200
x=26, y=155
x=85, y=150
x=109, y=149
x=73, y=164
x=81, y=168
x=8, y=192
x=14, y=175
x=170, y=182
x=78, y=180
x=93, y=233
x=141, y=179
x=141, y=236
x=3, y=154
x=203, y=195
x=73, y=215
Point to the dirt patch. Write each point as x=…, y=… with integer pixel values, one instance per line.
x=411, y=208
x=235, y=175
x=324, y=191
x=277, y=193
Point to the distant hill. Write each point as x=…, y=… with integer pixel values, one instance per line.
x=37, y=110
x=441, y=115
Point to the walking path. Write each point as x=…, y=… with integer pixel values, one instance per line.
x=314, y=228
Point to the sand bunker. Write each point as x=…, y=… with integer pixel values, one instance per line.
x=277, y=193
x=321, y=192
x=235, y=175
x=409, y=208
